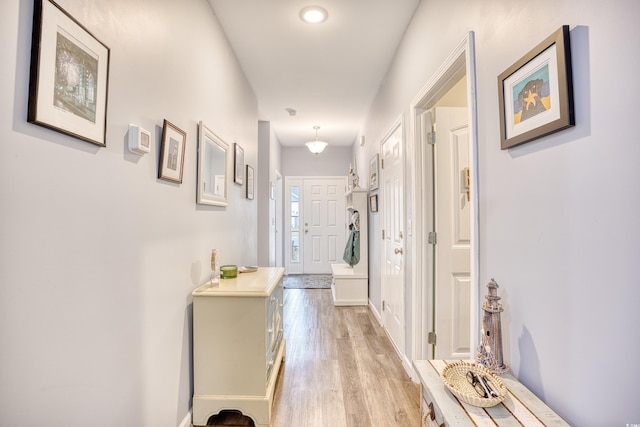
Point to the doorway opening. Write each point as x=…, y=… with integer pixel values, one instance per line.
x=460, y=289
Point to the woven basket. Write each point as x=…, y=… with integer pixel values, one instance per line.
x=455, y=378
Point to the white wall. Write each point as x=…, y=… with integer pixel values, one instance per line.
x=262, y=192
x=98, y=256
x=269, y=155
x=559, y=222
x=299, y=161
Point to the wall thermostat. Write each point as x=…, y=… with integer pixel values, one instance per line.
x=139, y=140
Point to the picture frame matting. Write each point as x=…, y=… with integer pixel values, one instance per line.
x=250, y=183
x=172, y=150
x=238, y=164
x=69, y=75
x=374, y=172
x=373, y=203
x=536, y=93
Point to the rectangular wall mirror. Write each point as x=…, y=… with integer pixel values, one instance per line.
x=213, y=158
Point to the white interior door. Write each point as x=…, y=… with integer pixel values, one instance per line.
x=324, y=224
x=452, y=225
x=393, y=310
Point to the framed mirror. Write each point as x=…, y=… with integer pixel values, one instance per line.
x=213, y=158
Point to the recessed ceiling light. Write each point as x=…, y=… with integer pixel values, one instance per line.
x=313, y=14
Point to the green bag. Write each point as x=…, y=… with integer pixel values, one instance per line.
x=352, y=250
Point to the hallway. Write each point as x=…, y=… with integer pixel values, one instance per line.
x=340, y=369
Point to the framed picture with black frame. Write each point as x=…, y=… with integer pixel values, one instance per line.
x=69, y=76
x=536, y=93
x=172, y=153
x=373, y=203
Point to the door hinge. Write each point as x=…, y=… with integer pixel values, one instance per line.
x=432, y=238
x=431, y=338
x=381, y=163
x=431, y=137
x=382, y=234
x=383, y=305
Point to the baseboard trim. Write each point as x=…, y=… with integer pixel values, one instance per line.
x=186, y=422
x=408, y=367
x=406, y=363
x=375, y=312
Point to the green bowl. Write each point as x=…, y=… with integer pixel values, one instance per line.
x=228, y=271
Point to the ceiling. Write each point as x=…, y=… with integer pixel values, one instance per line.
x=328, y=73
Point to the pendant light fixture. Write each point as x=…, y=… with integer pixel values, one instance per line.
x=316, y=147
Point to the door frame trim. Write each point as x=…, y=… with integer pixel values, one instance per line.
x=279, y=219
x=460, y=62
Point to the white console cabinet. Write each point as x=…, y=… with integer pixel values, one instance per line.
x=238, y=345
x=350, y=285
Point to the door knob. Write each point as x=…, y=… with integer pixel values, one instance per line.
x=398, y=250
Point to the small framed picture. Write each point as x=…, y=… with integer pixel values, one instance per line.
x=172, y=153
x=250, y=183
x=238, y=162
x=373, y=172
x=536, y=93
x=69, y=76
x=373, y=203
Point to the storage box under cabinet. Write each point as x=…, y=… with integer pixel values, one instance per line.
x=238, y=345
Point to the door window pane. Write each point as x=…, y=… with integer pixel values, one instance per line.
x=295, y=246
x=295, y=224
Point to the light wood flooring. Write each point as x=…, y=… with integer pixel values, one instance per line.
x=340, y=370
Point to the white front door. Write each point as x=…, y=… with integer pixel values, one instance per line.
x=323, y=224
x=452, y=225
x=393, y=240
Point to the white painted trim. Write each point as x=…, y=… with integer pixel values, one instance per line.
x=406, y=363
x=409, y=369
x=375, y=312
x=186, y=421
x=279, y=218
x=462, y=55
